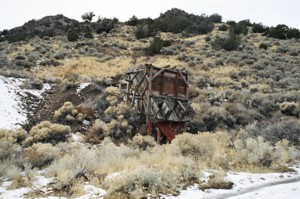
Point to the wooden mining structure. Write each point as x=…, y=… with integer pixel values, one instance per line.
x=161, y=94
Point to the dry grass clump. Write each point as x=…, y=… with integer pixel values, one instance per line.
x=14, y=174
x=47, y=132
x=68, y=113
x=40, y=154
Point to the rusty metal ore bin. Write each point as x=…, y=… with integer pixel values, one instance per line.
x=162, y=95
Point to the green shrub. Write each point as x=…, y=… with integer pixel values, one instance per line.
x=216, y=18
x=223, y=27
x=88, y=16
x=229, y=43
x=144, y=31
x=239, y=28
x=279, y=32
x=293, y=33
x=156, y=45
x=105, y=25
x=202, y=27
x=258, y=28
x=263, y=46
x=72, y=35
x=88, y=34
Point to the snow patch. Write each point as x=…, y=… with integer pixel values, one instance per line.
x=81, y=87
x=250, y=185
x=12, y=111
x=92, y=192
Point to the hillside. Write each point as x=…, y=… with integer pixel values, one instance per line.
x=244, y=88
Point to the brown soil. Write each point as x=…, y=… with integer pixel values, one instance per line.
x=54, y=99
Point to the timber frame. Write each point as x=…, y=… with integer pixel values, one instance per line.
x=162, y=95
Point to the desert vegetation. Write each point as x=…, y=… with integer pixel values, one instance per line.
x=244, y=89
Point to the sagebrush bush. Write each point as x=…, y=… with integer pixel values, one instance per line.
x=143, y=142
x=69, y=114
x=288, y=129
x=202, y=147
x=47, y=132
x=40, y=154
x=72, y=167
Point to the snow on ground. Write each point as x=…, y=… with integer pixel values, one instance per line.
x=81, y=87
x=16, y=193
x=12, y=113
x=250, y=185
x=247, y=186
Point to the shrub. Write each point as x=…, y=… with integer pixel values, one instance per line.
x=14, y=174
x=202, y=27
x=216, y=18
x=3, y=60
x=288, y=129
x=293, y=33
x=178, y=21
x=88, y=16
x=68, y=113
x=105, y=25
x=229, y=43
x=40, y=155
x=144, y=31
x=143, y=142
x=156, y=45
x=96, y=132
x=223, y=27
x=258, y=28
x=88, y=34
x=47, y=132
x=68, y=169
x=263, y=46
x=290, y=108
x=279, y=32
x=203, y=148
x=138, y=183
x=133, y=21
x=239, y=28
x=72, y=35
x=254, y=152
